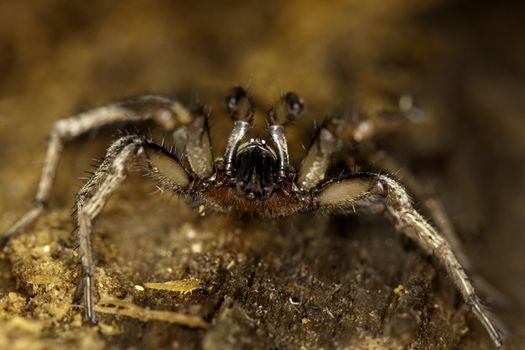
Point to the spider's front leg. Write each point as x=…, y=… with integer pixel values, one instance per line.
x=380, y=161
x=164, y=112
x=363, y=189
x=120, y=157
x=361, y=128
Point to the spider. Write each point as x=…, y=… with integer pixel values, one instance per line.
x=254, y=176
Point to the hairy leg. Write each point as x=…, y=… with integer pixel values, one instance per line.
x=345, y=194
x=356, y=128
x=164, y=112
x=382, y=162
x=91, y=199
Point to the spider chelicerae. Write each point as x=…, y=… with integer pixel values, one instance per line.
x=254, y=175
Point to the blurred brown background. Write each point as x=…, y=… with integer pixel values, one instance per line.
x=462, y=61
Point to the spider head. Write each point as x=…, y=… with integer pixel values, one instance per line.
x=254, y=166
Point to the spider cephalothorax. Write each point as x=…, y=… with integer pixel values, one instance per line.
x=254, y=175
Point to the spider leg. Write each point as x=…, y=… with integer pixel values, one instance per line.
x=355, y=128
x=91, y=199
x=164, y=112
x=198, y=149
x=240, y=107
x=382, y=162
x=343, y=195
x=314, y=166
x=288, y=108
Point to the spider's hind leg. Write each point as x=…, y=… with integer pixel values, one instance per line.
x=121, y=156
x=365, y=188
x=164, y=112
